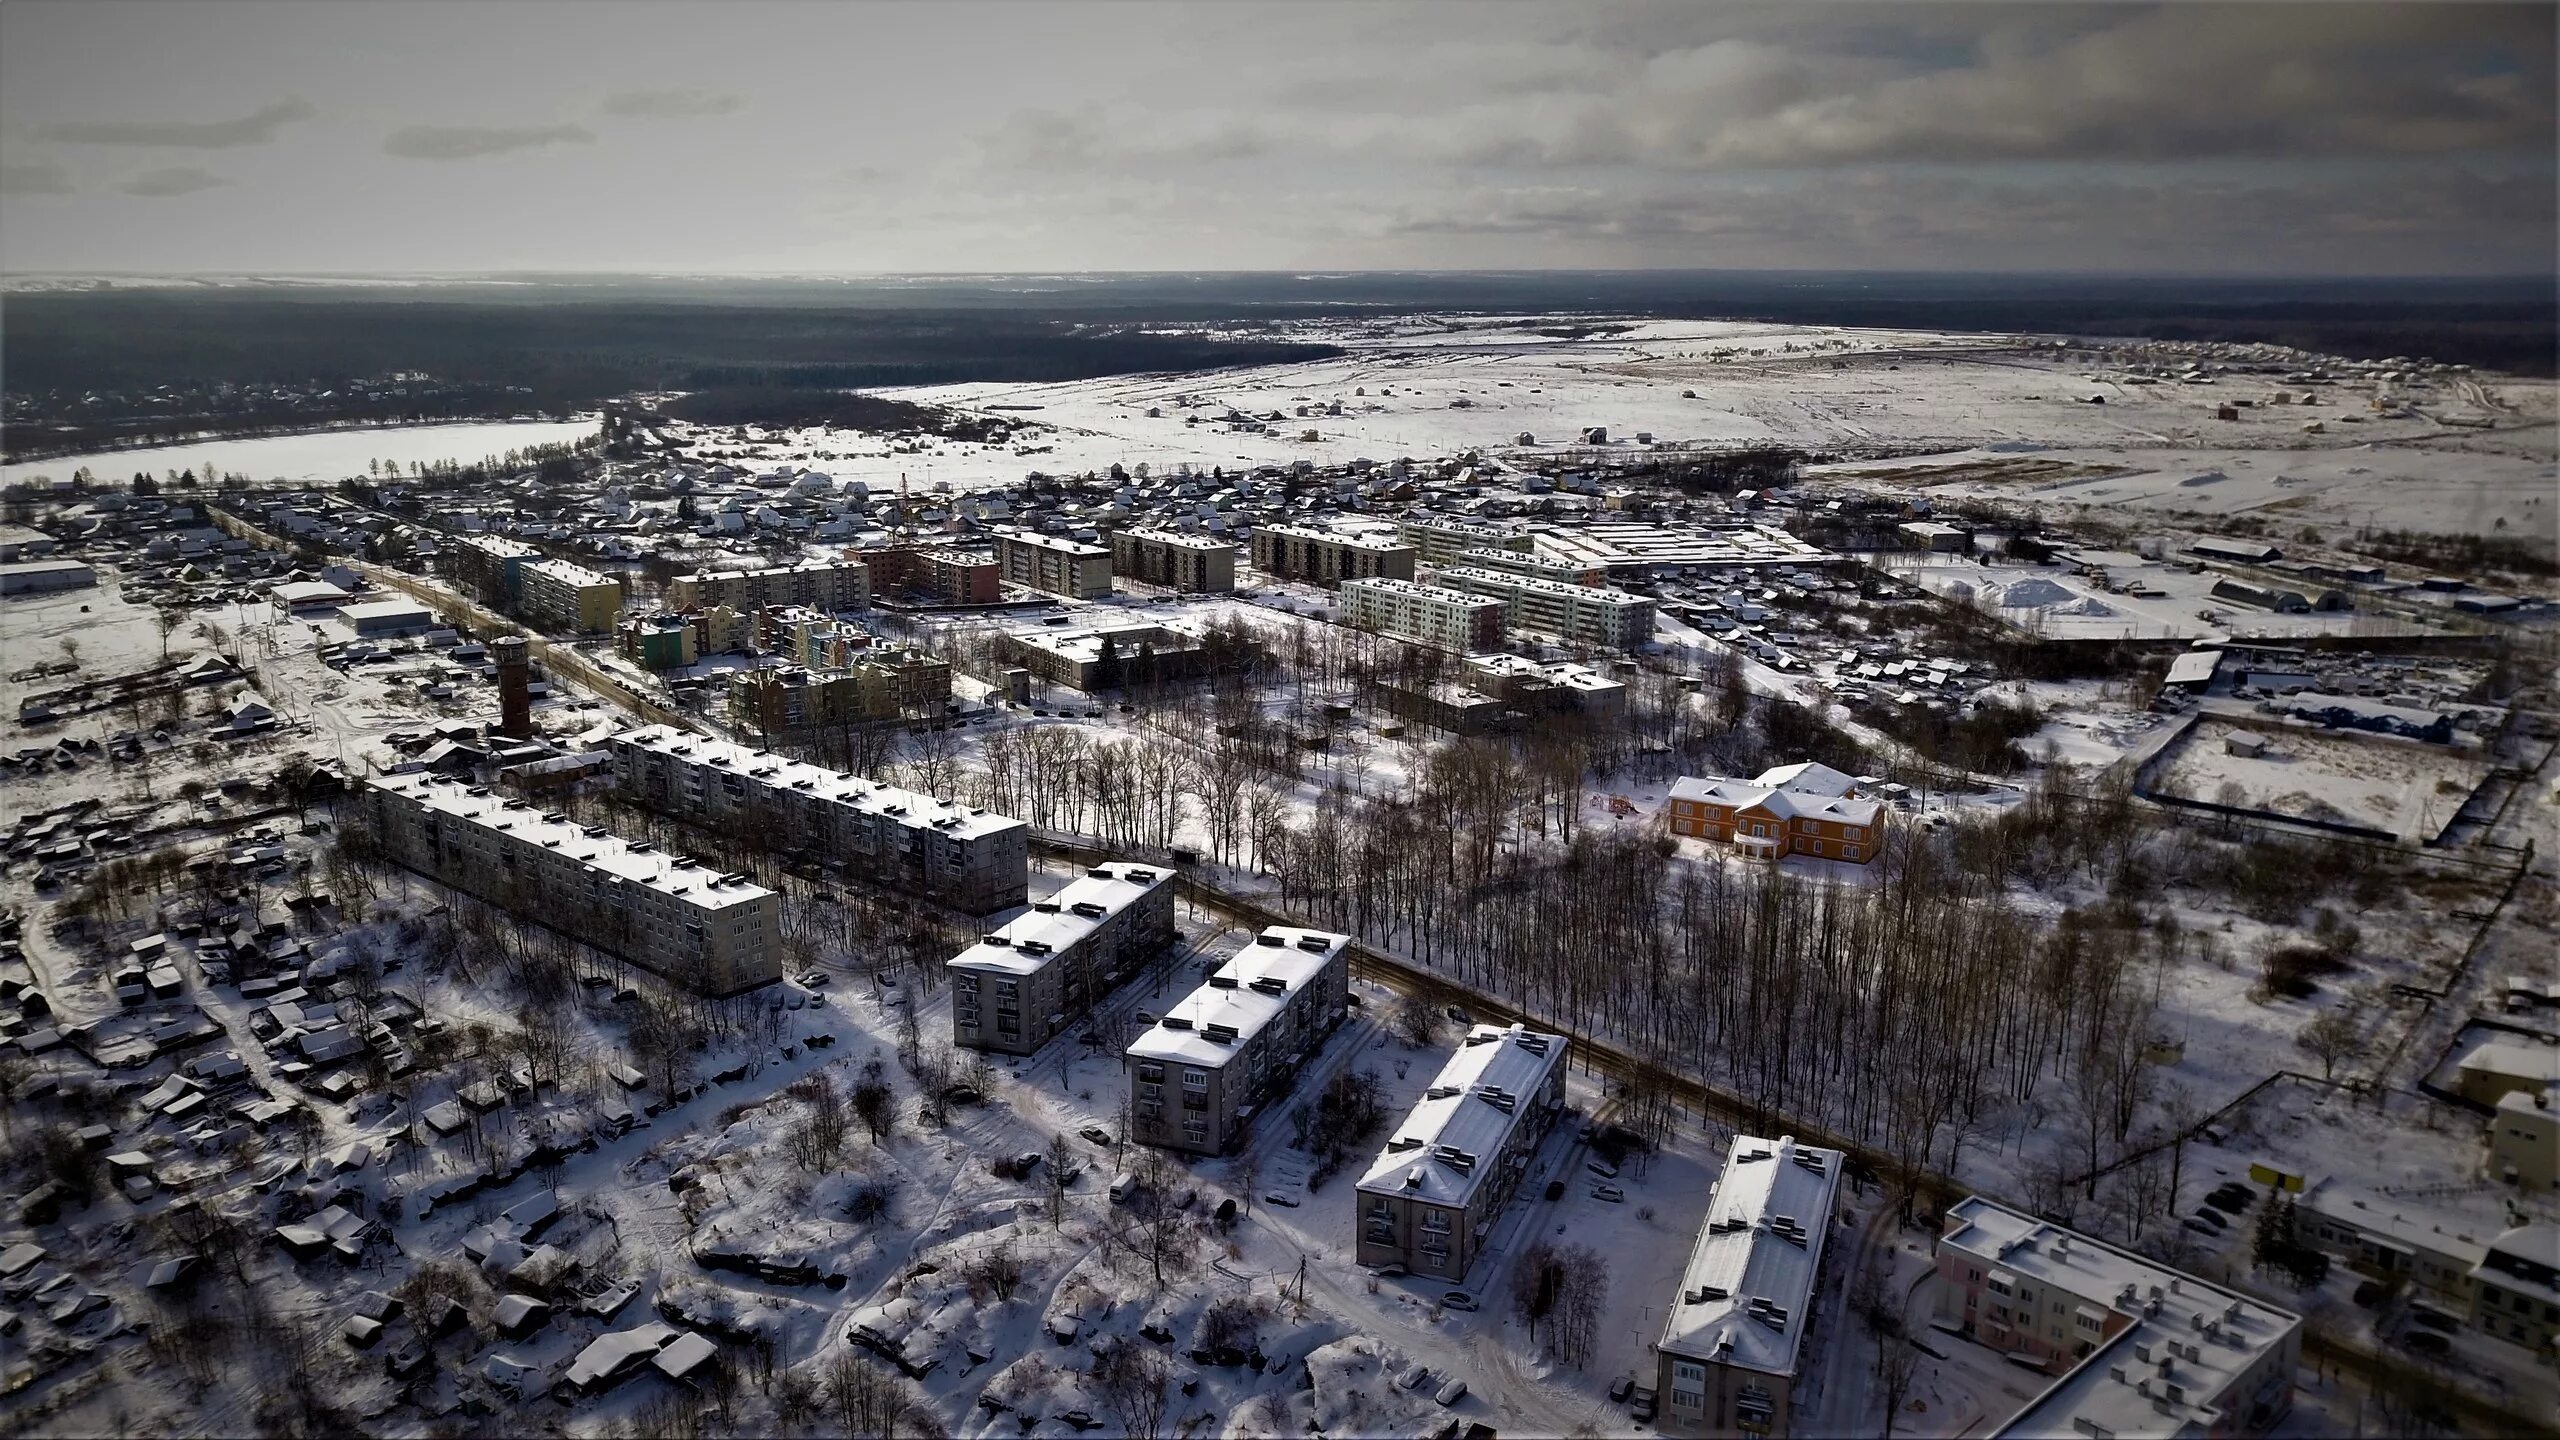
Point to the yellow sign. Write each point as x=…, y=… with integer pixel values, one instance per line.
x=2269, y=1175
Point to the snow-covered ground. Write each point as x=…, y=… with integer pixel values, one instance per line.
x=2400, y=787
x=320, y=458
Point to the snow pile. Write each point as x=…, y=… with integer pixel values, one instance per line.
x=2089, y=605
x=1353, y=1391
x=2033, y=593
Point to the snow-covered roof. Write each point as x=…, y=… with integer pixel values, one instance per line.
x=1058, y=543
x=1469, y=1111
x=1031, y=940
x=1204, y=543
x=2197, y=1336
x=1239, y=998
x=1785, y=804
x=2195, y=667
x=616, y=1352
x=566, y=573
x=1808, y=777
x=910, y=808
x=687, y=880
x=2539, y=1064
x=1746, y=1297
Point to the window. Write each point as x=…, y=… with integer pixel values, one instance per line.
x=1196, y=1131
x=1848, y=852
x=1436, y=1220
x=1194, y=1078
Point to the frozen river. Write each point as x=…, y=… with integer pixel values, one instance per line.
x=319, y=458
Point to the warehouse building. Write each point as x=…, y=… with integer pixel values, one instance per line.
x=1294, y=552
x=1429, y=1199
x=1021, y=985
x=559, y=596
x=1732, y=1347
x=33, y=577
x=1194, y=564
x=828, y=585
x=1424, y=614
x=1046, y=563
x=712, y=933
x=1198, y=1076
x=375, y=619
x=953, y=854
x=1592, y=615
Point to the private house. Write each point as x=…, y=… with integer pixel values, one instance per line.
x=1199, y=1074
x=1429, y=1198
x=1732, y=1347
x=2136, y=1349
x=1022, y=984
x=1801, y=809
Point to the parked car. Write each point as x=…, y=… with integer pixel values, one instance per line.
x=1555, y=1190
x=1458, y=1300
x=1610, y=1193
x=1452, y=1393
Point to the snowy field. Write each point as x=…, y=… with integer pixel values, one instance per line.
x=2401, y=787
x=2150, y=601
x=321, y=458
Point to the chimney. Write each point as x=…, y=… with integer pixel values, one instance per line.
x=515, y=686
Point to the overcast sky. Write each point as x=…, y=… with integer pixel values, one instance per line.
x=740, y=137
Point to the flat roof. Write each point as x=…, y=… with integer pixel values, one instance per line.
x=2373, y=1215
x=1206, y=543
x=1282, y=959
x=46, y=567
x=763, y=570
x=379, y=609
x=1462, y=1114
x=2195, y=667
x=2197, y=1336
x=1056, y=924
x=567, y=573
x=1633, y=544
x=1746, y=1296
x=505, y=547
x=1334, y=537
x=908, y=807
x=1553, y=672
x=1086, y=644
x=1441, y=594
x=689, y=880
x=1058, y=543
x=1601, y=595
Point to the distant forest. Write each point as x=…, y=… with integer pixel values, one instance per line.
x=551, y=345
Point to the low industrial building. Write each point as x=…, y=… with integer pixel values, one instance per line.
x=1591, y=615
x=1800, y=809
x=1549, y=687
x=1635, y=550
x=828, y=585
x=1327, y=558
x=1193, y=564
x=572, y=599
x=1432, y=1195
x=2137, y=1349
x=2391, y=1240
x=1021, y=985
x=1200, y=1074
x=298, y=597
x=1069, y=568
x=1732, y=1346
x=1934, y=535
x=943, y=851
x=376, y=618
x=2246, y=552
x=32, y=577
x=709, y=932
x=2494, y=1069
x=1424, y=614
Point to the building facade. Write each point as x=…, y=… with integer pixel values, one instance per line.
x=1058, y=567
x=953, y=854
x=1424, y=614
x=1194, y=564
x=886, y=683
x=490, y=567
x=1432, y=1195
x=919, y=576
x=1294, y=552
x=657, y=642
x=1732, y=1346
x=828, y=585
x=1202, y=1071
x=571, y=599
x=1803, y=809
x=2135, y=1347
x=674, y=917
x=1019, y=986
x=1593, y=615
x=2524, y=1143
x=1441, y=540
x=1109, y=657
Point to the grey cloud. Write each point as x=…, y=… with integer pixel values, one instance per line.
x=671, y=104
x=255, y=128
x=163, y=184
x=470, y=142
x=40, y=178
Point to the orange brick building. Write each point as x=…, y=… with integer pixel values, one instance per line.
x=1803, y=809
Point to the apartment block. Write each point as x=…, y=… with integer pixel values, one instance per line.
x=1800, y=809
x=2518, y=1283
x=1059, y=567
x=1732, y=1347
x=2507, y=1287
x=1525, y=562
x=1593, y=615
x=490, y=567
x=1019, y=986
x=1293, y=552
x=674, y=917
x=885, y=683
x=1198, y=564
x=657, y=642
x=1424, y=614
x=1429, y=1199
x=828, y=585
x=1443, y=540
x=1112, y=657
x=954, y=854
x=919, y=576
x=2137, y=1349
x=559, y=596
x=1228, y=1048
x=1548, y=687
